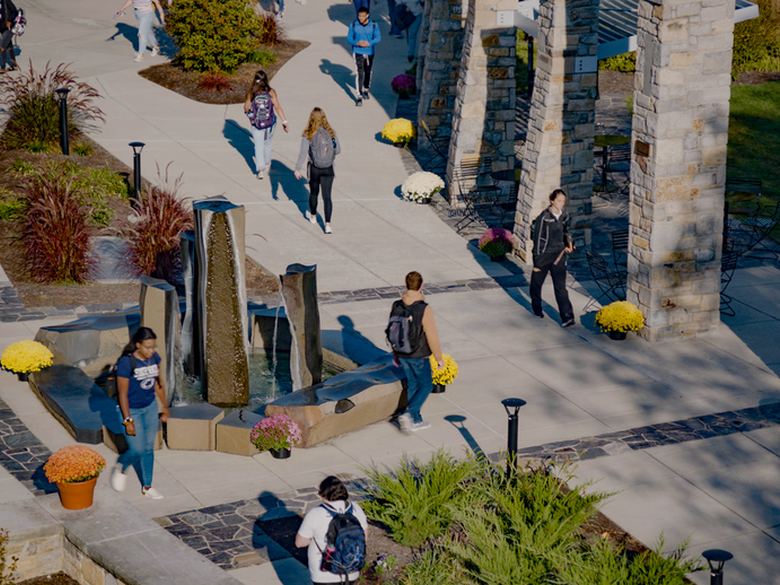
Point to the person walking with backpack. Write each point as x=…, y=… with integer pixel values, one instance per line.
x=335, y=534
x=139, y=384
x=551, y=243
x=413, y=336
x=319, y=145
x=409, y=15
x=363, y=35
x=7, y=56
x=144, y=14
x=261, y=105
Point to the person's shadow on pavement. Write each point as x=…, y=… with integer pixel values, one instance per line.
x=283, y=177
x=241, y=139
x=342, y=12
x=342, y=75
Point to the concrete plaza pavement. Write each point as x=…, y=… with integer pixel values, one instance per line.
x=720, y=491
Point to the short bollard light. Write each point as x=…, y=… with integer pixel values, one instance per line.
x=62, y=94
x=137, y=148
x=512, y=407
x=716, y=559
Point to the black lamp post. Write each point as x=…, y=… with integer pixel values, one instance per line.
x=62, y=94
x=716, y=559
x=137, y=148
x=512, y=407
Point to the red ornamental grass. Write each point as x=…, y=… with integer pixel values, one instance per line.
x=271, y=32
x=215, y=82
x=155, y=227
x=55, y=233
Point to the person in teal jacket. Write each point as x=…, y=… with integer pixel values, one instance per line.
x=363, y=36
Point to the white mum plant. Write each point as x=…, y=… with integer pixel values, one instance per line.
x=421, y=186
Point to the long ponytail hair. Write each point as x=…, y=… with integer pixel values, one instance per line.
x=259, y=85
x=142, y=334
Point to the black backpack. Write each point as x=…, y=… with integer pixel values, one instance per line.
x=345, y=543
x=111, y=387
x=403, y=330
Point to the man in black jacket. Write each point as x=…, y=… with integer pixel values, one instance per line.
x=552, y=241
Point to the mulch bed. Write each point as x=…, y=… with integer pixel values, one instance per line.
x=185, y=83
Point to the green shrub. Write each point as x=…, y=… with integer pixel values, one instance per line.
x=82, y=149
x=625, y=62
x=154, y=229
x=757, y=41
x=55, y=233
x=412, y=503
x=263, y=57
x=22, y=167
x=521, y=71
x=213, y=35
x=31, y=102
x=11, y=206
x=433, y=567
x=95, y=188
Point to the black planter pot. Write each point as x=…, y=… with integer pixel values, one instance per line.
x=498, y=258
x=438, y=389
x=424, y=201
x=281, y=453
x=22, y=376
x=617, y=335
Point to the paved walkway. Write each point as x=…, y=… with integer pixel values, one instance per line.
x=580, y=386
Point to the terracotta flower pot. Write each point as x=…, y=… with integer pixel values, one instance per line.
x=280, y=453
x=78, y=495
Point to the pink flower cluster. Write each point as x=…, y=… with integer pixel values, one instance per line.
x=496, y=241
x=404, y=84
x=277, y=431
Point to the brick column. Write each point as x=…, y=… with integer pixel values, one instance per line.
x=484, y=117
x=681, y=114
x=438, y=66
x=559, y=146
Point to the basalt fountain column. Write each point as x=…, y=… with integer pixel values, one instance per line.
x=299, y=294
x=220, y=301
x=159, y=307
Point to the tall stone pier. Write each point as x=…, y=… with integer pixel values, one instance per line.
x=299, y=294
x=220, y=301
x=678, y=171
x=483, y=123
x=561, y=123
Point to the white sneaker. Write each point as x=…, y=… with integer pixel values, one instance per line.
x=118, y=480
x=405, y=422
x=151, y=493
x=155, y=51
x=327, y=229
x=423, y=424
x=312, y=218
x=260, y=176
x=138, y=57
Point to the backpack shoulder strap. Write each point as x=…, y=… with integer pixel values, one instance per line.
x=133, y=363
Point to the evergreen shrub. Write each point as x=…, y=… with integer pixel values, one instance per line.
x=213, y=35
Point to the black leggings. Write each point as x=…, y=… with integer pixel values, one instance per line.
x=544, y=263
x=322, y=177
x=7, y=56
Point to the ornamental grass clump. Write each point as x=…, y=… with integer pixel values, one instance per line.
x=275, y=432
x=447, y=374
x=421, y=186
x=620, y=316
x=404, y=85
x=74, y=463
x=26, y=356
x=398, y=131
x=497, y=242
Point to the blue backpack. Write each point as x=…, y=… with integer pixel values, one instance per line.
x=345, y=543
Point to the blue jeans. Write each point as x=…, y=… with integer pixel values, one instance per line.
x=262, y=140
x=140, y=453
x=391, y=12
x=419, y=384
x=411, y=35
x=145, y=33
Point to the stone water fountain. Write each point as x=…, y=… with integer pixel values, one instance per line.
x=211, y=339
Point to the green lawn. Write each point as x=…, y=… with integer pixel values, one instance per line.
x=754, y=135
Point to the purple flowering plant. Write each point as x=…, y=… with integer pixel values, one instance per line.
x=496, y=242
x=275, y=432
x=404, y=84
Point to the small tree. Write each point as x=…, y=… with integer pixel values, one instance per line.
x=213, y=35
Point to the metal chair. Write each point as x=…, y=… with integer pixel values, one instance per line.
x=620, y=248
x=747, y=235
x=440, y=146
x=728, y=264
x=612, y=284
x=480, y=197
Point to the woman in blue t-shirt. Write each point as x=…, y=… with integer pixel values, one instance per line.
x=137, y=381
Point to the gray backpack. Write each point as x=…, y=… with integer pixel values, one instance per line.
x=322, y=151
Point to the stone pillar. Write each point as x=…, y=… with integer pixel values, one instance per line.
x=299, y=294
x=437, y=69
x=561, y=123
x=680, y=131
x=159, y=308
x=221, y=301
x=484, y=116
